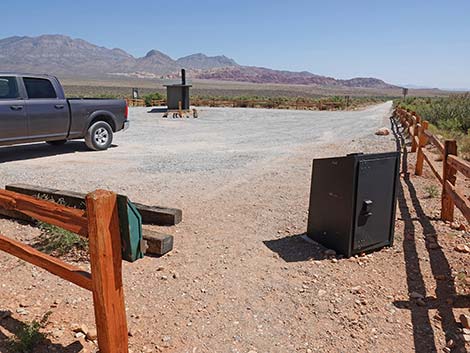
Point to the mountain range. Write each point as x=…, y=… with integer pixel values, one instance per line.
x=68, y=57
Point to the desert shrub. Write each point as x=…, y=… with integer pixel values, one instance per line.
x=432, y=191
x=450, y=117
x=28, y=336
x=152, y=96
x=58, y=241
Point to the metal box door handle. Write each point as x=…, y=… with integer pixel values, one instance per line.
x=366, y=208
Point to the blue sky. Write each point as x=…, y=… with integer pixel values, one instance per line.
x=404, y=42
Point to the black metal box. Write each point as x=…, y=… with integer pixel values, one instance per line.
x=353, y=201
x=177, y=93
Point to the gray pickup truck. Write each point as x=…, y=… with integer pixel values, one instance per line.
x=33, y=108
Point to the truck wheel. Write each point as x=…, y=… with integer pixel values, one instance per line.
x=56, y=142
x=99, y=136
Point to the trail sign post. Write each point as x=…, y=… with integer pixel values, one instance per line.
x=135, y=93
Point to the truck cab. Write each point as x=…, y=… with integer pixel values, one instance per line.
x=34, y=108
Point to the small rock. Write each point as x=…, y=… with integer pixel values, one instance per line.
x=465, y=321
x=383, y=132
x=356, y=290
x=450, y=343
x=330, y=252
x=91, y=335
x=58, y=333
x=462, y=248
x=164, y=278
x=415, y=295
x=22, y=311
x=79, y=335
x=79, y=328
x=466, y=338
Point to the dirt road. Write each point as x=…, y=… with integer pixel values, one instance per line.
x=241, y=278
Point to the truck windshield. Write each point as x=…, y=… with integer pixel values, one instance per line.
x=8, y=88
x=39, y=88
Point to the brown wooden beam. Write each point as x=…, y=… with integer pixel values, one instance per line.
x=162, y=216
x=67, y=218
x=462, y=204
x=157, y=243
x=435, y=141
x=459, y=164
x=55, y=266
x=433, y=167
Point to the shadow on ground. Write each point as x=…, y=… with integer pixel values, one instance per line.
x=295, y=248
x=40, y=150
x=13, y=325
x=446, y=298
x=158, y=110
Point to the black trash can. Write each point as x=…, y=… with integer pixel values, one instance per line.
x=353, y=201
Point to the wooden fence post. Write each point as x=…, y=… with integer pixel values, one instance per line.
x=414, y=137
x=106, y=271
x=422, y=141
x=448, y=175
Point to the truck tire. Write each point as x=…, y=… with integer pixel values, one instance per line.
x=99, y=136
x=56, y=142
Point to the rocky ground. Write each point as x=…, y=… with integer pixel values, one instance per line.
x=242, y=277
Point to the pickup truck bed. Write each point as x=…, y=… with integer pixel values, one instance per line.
x=33, y=108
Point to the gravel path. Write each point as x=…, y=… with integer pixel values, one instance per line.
x=160, y=159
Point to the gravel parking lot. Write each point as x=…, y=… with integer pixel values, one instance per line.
x=160, y=159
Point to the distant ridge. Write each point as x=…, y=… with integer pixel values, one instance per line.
x=65, y=56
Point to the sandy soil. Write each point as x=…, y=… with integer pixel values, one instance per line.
x=241, y=277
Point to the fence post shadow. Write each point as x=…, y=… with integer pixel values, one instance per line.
x=446, y=298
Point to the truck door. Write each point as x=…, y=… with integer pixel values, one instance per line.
x=48, y=115
x=13, y=122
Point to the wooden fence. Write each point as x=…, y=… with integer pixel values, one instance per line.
x=135, y=102
x=451, y=164
x=100, y=224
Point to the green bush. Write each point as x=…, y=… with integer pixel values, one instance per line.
x=55, y=240
x=152, y=96
x=450, y=116
x=28, y=336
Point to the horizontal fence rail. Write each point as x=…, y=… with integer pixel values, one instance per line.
x=452, y=165
x=100, y=224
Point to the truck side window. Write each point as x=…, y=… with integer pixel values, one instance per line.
x=8, y=88
x=39, y=88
